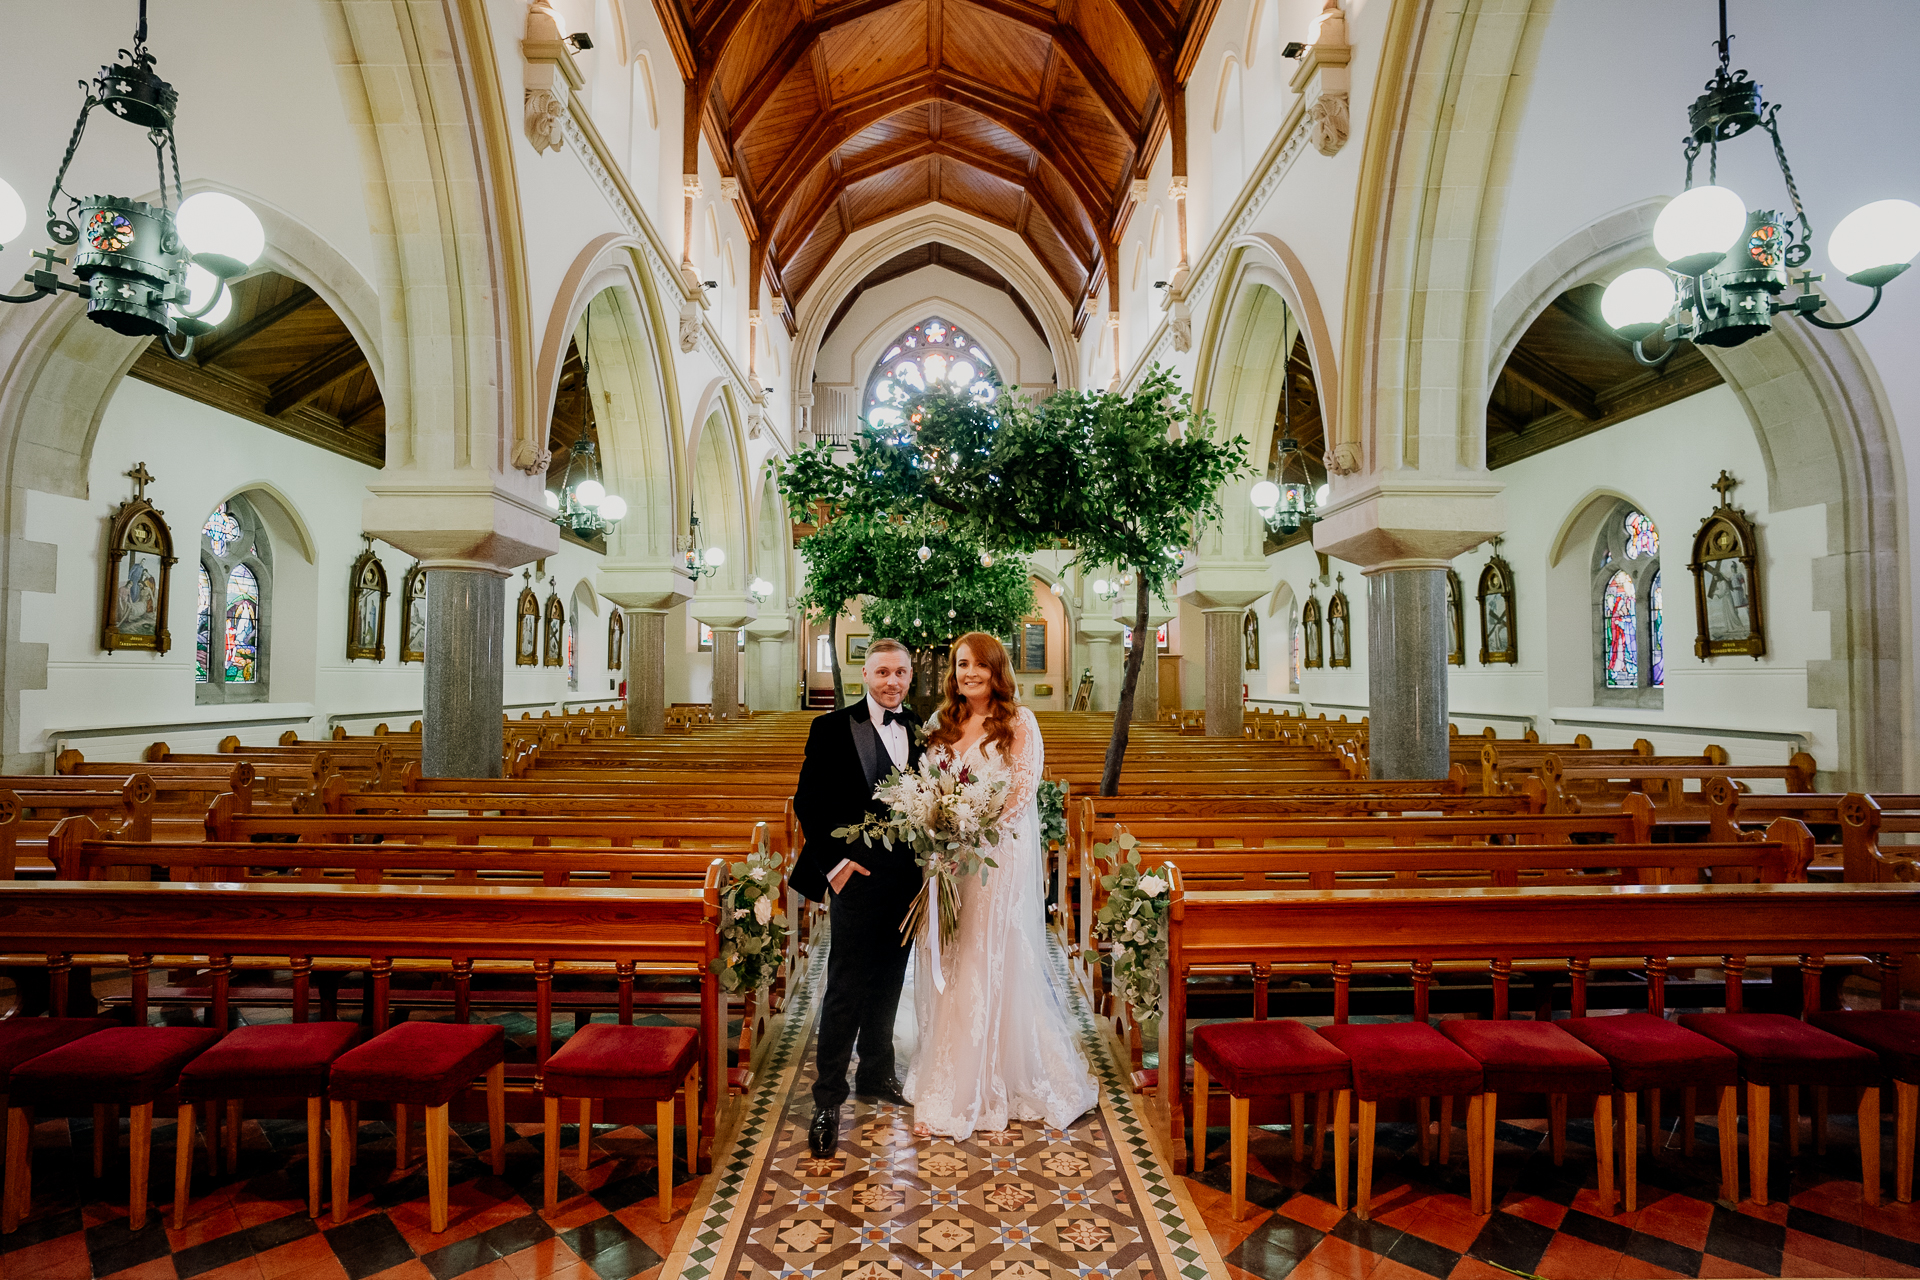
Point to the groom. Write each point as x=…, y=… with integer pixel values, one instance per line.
x=849, y=751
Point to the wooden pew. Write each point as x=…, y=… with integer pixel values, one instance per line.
x=1664, y=782
x=1267, y=933
x=1863, y=819
x=381, y=929
x=264, y=788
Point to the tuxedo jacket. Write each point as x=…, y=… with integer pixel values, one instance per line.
x=845, y=761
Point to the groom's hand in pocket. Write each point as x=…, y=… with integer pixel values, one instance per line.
x=844, y=872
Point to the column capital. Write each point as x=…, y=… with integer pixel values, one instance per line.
x=774, y=628
x=1225, y=584
x=724, y=612
x=459, y=521
x=639, y=585
x=1411, y=523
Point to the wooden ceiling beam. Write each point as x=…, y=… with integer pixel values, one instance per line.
x=225, y=340
x=1591, y=323
x=308, y=381
x=1531, y=371
x=679, y=32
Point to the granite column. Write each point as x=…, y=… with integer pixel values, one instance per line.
x=726, y=673
x=461, y=733
x=646, y=672
x=1226, y=671
x=1407, y=672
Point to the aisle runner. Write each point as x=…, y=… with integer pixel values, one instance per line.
x=1090, y=1201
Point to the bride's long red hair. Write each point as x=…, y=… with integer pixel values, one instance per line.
x=1001, y=706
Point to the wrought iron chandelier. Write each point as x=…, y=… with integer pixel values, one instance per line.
x=145, y=270
x=1728, y=266
x=702, y=561
x=583, y=504
x=1290, y=503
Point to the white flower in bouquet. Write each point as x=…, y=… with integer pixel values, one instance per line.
x=763, y=908
x=1152, y=886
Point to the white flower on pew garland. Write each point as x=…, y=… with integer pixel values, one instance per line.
x=1134, y=922
x=753, y=929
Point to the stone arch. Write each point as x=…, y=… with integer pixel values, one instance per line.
x=881, y=335
x=717, y=481
x=1828, y=436
x=640, y=437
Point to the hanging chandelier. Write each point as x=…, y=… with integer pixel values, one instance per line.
x=1728, y=266
x=1290, y=503
x=702, y=561
x=583, y=506
x=145, y=270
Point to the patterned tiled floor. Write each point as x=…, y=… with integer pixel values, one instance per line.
x=1548, y=1221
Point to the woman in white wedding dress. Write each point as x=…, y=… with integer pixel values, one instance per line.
x=998, y=1044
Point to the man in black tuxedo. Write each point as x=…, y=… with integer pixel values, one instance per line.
x=849, y=752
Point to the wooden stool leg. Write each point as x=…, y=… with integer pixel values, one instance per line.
x=1239, y=1117
x=400, y=1136
x=17, y=1196
x=1793, y=1120
x=1729, y=1142
x=1603, y=1145
x=1688, y=1098
x=182, y=1164
x=550, y=1172
x=1299, y=1126
x=691, y=1112
x=1320, y=1135
x=316, y=1143
x=353, y=1131
x=210, y=1125
x=1557, y=1126
x=1476, y=1189
x=1446, y=1129
x=1489, y=1113
x=1759, y=1138
x=1363, y=1184
x=586, y=1134
x=139, y=1152
x=1341, y=1107
x=1655, y=1138
x=232, y=1135
x=1199, y=1117
x=437, y=1168
x=1906, y=1101
x=663, y=1153
x=343, y=1146
x=1870, y=1146
x=1820, y=1119
x=100, y=1113
x=497, y=1117
x=1629, y=1104
x=1423, y=1122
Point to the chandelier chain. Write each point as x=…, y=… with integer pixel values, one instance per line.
x=66, y=161
x=1772, y=125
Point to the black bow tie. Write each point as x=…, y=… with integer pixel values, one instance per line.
x=893, y=717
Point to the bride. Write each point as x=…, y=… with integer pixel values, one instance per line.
x=997, y=1044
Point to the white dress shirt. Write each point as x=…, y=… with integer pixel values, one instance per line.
x=894, y=738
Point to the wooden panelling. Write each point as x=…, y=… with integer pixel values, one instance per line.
x=1114, y=44
x=792, y=108
x=900, y=187
x=978, y=192
x=973, y=130
x=755, y=45
x=895, y=133
x=924, y=257
x=873, y=50
x=993, y=50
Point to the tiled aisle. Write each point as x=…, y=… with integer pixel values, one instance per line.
x=1548, y=1223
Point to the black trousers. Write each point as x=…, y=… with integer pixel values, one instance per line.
x=866, y=967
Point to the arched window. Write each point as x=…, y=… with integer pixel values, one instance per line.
x=236, y=575
x=1630, y=664
x=931, y=354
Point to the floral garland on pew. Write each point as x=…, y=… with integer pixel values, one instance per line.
x=1134, y=921
x=1052, y=799
x=753, y=928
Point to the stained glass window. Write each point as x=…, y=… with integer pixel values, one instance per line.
x=1623, y=650
x=203, y=644
x=931, y=354
x=243, y=625
x=222, y=529
x=1642, y=538
x=1659, y=663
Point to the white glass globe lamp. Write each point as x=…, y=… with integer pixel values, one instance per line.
x=925, y=553
x=202, y=285
x=1320, y=497
x=1872, y=245
x=553, y=500
x=1058, y=588
x=222, y=233
x=1638, y=302
x=1698, y=228
x=1101, y=586
x=1264, y=495
x=13, y=213
x=613, y=508
x=986, y=559
x=589, y=493
x=716, y=556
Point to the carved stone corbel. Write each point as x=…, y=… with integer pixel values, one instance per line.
x=1323, y=82
x=690, y=320
x=1181, y=322
x=550, y=76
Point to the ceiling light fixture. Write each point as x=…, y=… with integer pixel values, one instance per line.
x=1727, y=266
x=1290, y=504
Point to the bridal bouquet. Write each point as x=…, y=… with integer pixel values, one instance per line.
x=948, y=815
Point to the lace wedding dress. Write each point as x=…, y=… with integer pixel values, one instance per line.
x=999, y=1043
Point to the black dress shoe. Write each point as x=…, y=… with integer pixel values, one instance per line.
x=886, y=1092
x=823, y=1136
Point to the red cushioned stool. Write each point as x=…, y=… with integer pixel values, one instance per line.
x=419, y=1064
x=286, y=1060
x=605, y=1061
x=1267, y=1059
x=1647, y=1054
x=21, y=1040
x=1406, y=1060
x=1536, y=1057
x=1894, y=1034
x=1776, y=1050
x=117, y=1066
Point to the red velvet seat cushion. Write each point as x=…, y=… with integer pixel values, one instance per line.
x=421, y=1064
x=1648, y=1052
x=1404, y=1060
x=604, y=1061
x=1894, y=1034
x=1777, y=1050
x=1259, y=1059
x=1530, y=1057
x=288, y=1060
x=24, y=1038
x=127, y=1065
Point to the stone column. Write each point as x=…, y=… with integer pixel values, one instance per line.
x=1226, y=671
x=1146, y=694
x=726, y=673
x=768, y=689
x=461, y=735
x=1407, y=672
x=646, y=672
x=1100, y=634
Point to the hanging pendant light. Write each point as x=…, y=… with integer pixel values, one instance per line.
x=1287, y=504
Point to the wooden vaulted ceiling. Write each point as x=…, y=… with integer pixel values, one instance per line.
x=1034, y=114
x=922, y=257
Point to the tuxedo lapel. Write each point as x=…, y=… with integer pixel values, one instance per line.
x=866, y=741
